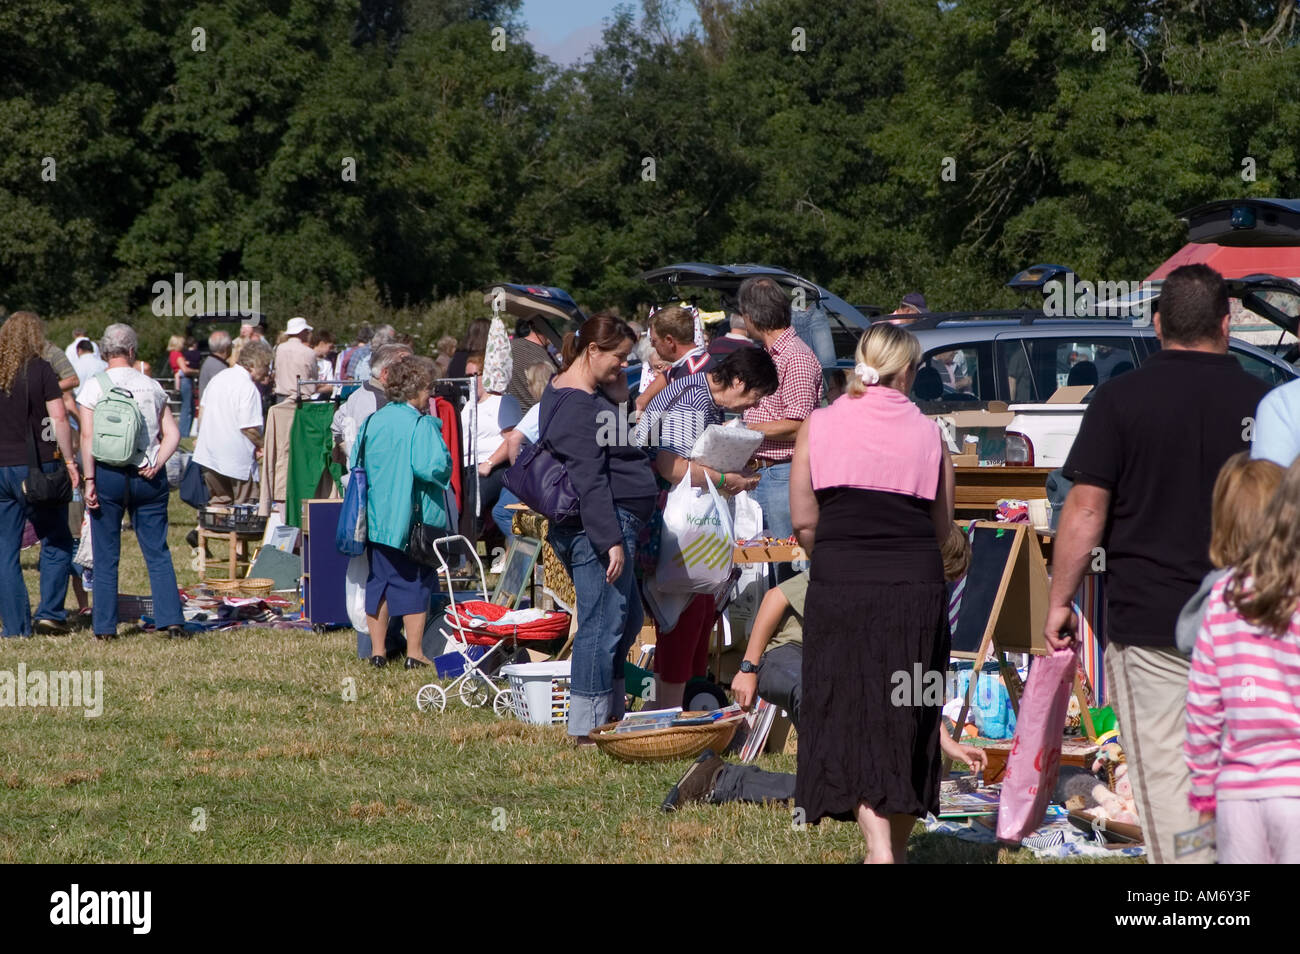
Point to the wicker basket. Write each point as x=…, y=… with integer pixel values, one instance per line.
x=254, y=586
x=662, y=745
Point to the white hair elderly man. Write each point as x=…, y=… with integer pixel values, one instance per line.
x=138, y=486
x=218, y=360
x=365, y=400
x=230, y=426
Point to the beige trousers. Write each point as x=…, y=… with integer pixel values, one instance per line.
x=1148, y=690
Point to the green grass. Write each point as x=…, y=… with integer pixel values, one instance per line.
x=252, y=728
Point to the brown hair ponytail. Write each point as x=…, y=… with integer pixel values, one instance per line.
x=602, y=329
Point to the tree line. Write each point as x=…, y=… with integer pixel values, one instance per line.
x=394, y=153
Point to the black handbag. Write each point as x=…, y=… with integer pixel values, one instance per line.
x=41, y=489
x=420, y=541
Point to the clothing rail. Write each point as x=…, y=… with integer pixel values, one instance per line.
x=299, y=382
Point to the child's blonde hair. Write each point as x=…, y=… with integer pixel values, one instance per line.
x=1264, y=543
x=889, y=349
x=1240, y=509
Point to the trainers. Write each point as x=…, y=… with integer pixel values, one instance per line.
x=50, y=627
x=192, y=538
x=697, y=784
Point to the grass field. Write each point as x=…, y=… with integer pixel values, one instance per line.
x=240, y=747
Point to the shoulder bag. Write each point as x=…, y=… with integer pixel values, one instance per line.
x=540, y=479
x=41, y=489
x=422, y=537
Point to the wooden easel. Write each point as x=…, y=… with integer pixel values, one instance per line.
x=1016, y=622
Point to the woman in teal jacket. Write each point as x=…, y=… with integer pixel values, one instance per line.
x=405, y=459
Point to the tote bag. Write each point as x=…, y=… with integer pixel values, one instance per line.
x=698, y=541
x=350, y=535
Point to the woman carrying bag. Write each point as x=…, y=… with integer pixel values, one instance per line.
x=616, y=490
x=407, y=465
x=30, y=400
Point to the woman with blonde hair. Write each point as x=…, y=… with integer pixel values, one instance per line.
x=30, y=401
x=871, y=493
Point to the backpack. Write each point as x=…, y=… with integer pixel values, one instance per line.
x=119, y=425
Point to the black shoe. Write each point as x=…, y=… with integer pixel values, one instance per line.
x=697, y=784
x=178, y=632
x=192, y=538
x=50, y=627
x=105, y=637
x=415, y=663
x=379, y=662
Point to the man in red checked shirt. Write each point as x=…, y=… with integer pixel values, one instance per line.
x=767, y=312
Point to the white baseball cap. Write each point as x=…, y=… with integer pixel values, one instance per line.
x=297, y=326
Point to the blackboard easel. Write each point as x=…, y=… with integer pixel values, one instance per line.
x=1004, y=606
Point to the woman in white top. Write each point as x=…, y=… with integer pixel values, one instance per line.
x=139, y=487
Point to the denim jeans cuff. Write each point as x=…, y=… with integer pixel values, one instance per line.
x=587, y=712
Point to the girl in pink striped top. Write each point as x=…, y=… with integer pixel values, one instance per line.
x=1243, y=698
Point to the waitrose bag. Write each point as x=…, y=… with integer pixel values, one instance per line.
x=698, y=541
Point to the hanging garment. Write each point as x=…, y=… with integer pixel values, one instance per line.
x=275, y=457
x=312, y=471
x=447, y=412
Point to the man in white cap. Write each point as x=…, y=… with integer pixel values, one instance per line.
x=294, y=361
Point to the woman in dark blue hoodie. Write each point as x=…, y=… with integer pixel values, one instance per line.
x=612, y=475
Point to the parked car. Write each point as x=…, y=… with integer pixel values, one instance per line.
x=1056, y=352
x=821, y=307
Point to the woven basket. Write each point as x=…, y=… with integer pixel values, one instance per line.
x=662, y=745
x=254, y=586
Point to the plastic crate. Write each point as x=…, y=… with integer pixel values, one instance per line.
x=133, y=607
x=539, y=691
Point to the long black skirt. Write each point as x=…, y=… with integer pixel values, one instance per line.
x=875, y=654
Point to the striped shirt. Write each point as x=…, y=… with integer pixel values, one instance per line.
x=1243, y=709
x=796, y=397
x=676, y=416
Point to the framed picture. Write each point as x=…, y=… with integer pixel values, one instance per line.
x=517, y=571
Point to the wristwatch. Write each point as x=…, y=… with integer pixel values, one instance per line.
x=747, y=666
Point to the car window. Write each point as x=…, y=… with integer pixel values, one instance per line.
x=1057, y=362
x=1014, y=364
x=954, y=373
x=1260, y=368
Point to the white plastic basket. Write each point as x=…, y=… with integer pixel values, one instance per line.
x=539, y=691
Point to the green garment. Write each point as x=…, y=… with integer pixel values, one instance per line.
x=311, y=448
x=404, y=449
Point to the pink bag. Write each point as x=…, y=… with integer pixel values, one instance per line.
x=1035, y=755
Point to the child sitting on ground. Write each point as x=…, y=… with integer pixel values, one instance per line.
x=1243, y=698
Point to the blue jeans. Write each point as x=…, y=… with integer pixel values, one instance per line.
x=609, y=619
x=503, y=517
x=122, y=490
x=814, y=328
x=187, y=404
x=773, y=495
x=51, y=525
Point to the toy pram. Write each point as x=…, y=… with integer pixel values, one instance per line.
x=471, y=626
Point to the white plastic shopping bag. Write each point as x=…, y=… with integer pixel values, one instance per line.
x=698, y=541
x=354, y=589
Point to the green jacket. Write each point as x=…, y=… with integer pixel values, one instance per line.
x=403, y=447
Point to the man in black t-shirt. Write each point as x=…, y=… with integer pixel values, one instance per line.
x=1144, y=465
